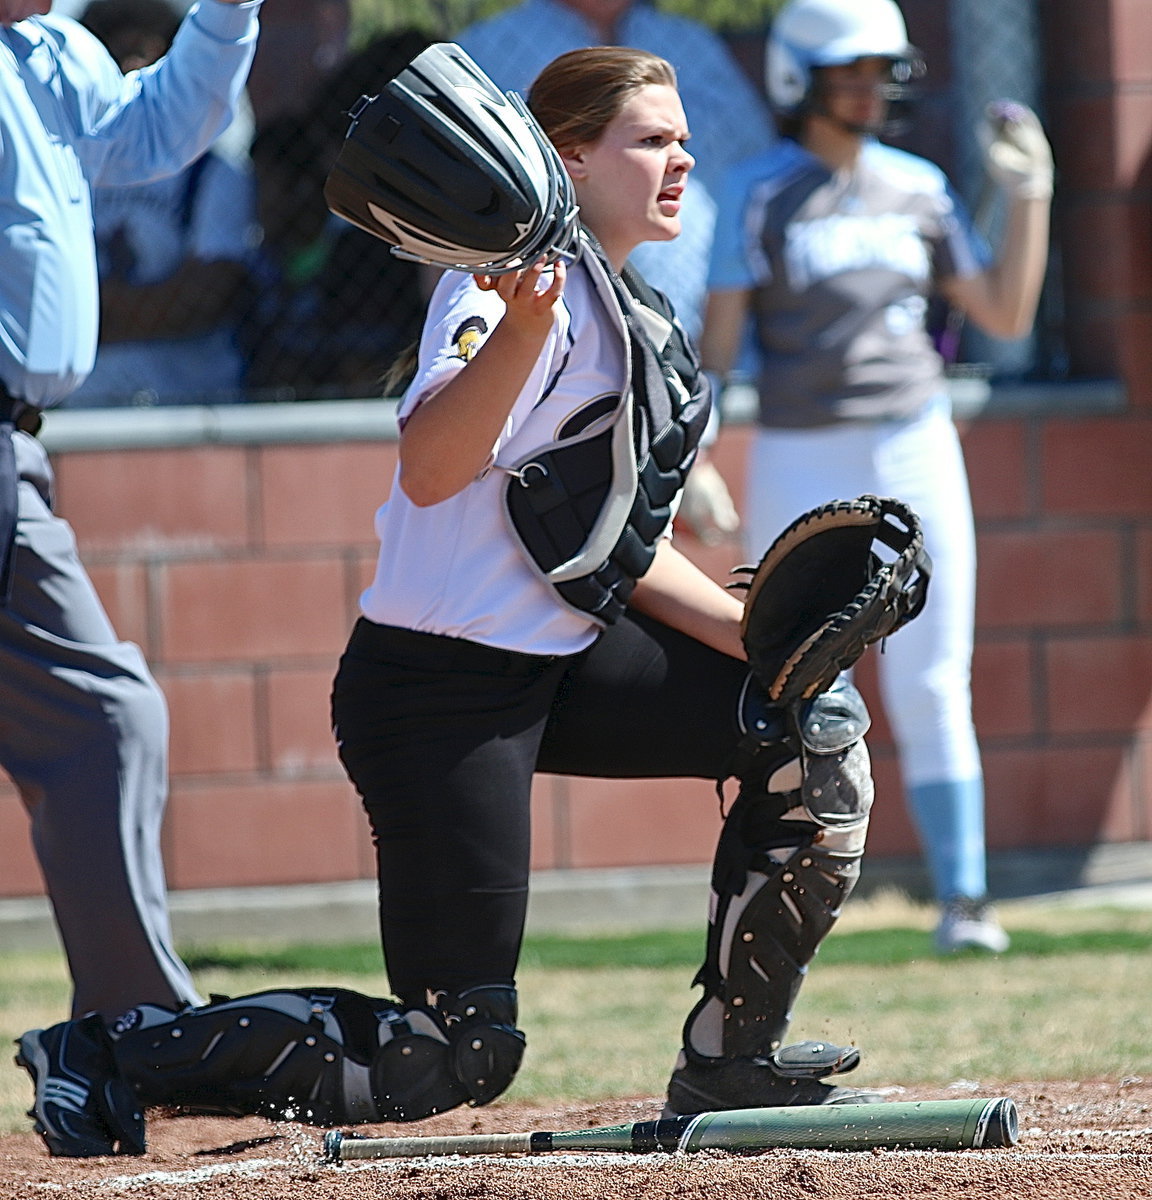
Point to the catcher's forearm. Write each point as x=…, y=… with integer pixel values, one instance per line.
x=677, y=593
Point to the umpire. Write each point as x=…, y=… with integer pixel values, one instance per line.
x=83, y=725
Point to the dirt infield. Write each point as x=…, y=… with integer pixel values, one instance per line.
x=1078, y=1140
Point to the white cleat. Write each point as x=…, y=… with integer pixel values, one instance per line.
x=967, y=924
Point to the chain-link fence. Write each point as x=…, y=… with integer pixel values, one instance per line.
x=996, y=53
x=233, y=283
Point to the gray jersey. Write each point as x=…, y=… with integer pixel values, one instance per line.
x=842, y=266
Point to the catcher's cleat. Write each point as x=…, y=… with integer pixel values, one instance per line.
x=82, y=1106
x=755, y=1083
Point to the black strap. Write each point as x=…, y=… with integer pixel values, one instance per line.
x=555, y=499
x=9, y=491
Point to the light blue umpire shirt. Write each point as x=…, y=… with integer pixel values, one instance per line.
x=68, y=121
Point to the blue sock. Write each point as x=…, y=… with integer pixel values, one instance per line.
x=950, y=819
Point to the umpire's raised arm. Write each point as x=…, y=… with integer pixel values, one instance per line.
x=151, y=122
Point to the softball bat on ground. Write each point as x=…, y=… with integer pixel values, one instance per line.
x=915, y=1125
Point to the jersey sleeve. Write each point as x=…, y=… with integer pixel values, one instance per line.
x=461, y=318
x=960, y=250
x=730, y=265
x=150, y=123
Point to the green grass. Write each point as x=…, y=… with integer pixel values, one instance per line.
x=603, y=1012
x=676, y=948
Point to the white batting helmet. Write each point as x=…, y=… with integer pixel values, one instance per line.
x=807, y=34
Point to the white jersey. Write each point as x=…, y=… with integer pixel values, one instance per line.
x=455, y=568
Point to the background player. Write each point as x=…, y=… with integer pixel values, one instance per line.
x=833, y=243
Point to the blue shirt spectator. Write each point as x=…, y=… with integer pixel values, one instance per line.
x=173, y=254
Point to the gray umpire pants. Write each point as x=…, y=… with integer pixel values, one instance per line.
x=84, y=736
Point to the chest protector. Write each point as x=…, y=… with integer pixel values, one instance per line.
x=589, y=509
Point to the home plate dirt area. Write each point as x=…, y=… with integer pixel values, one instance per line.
x=1084, y=1140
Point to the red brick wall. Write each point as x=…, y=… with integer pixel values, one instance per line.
x=237, y=569
x=1062, y=677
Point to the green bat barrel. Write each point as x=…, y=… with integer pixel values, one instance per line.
x=918, y=1125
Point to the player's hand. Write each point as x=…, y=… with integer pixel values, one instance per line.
x=706, y=507
x=1017, y=155
x=528, y=295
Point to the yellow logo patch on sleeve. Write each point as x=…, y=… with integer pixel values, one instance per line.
x=468, y=338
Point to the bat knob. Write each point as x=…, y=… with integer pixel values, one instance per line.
x=1001, y=1123
x=333, y=1141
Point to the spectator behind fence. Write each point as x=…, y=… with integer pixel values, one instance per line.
x=172, y=254
x=332, y=307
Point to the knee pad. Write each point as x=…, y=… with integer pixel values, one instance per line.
x=836, y=772
x=812, y=754
x=464, y=1050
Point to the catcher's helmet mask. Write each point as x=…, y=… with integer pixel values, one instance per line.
x=453, y=172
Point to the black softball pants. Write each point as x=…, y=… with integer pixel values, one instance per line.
x=442, y=736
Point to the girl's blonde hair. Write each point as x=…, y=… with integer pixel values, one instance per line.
x=578, y=95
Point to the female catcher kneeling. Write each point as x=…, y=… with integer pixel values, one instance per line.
x=530, y=612
x=493, y=644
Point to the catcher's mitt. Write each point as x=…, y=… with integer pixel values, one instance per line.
x=821, y=595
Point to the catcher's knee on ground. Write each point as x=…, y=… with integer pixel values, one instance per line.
x=323, y=1056
x=787, y=859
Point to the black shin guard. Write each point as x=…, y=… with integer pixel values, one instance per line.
x=298, y=1055
x=787, y=858
x=760, y=942
x=323, y=1057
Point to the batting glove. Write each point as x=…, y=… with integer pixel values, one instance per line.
x=1017, y=155
x=706, y=508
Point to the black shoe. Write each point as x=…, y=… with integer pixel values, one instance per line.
x=82, y=1107
x=755, y=1083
